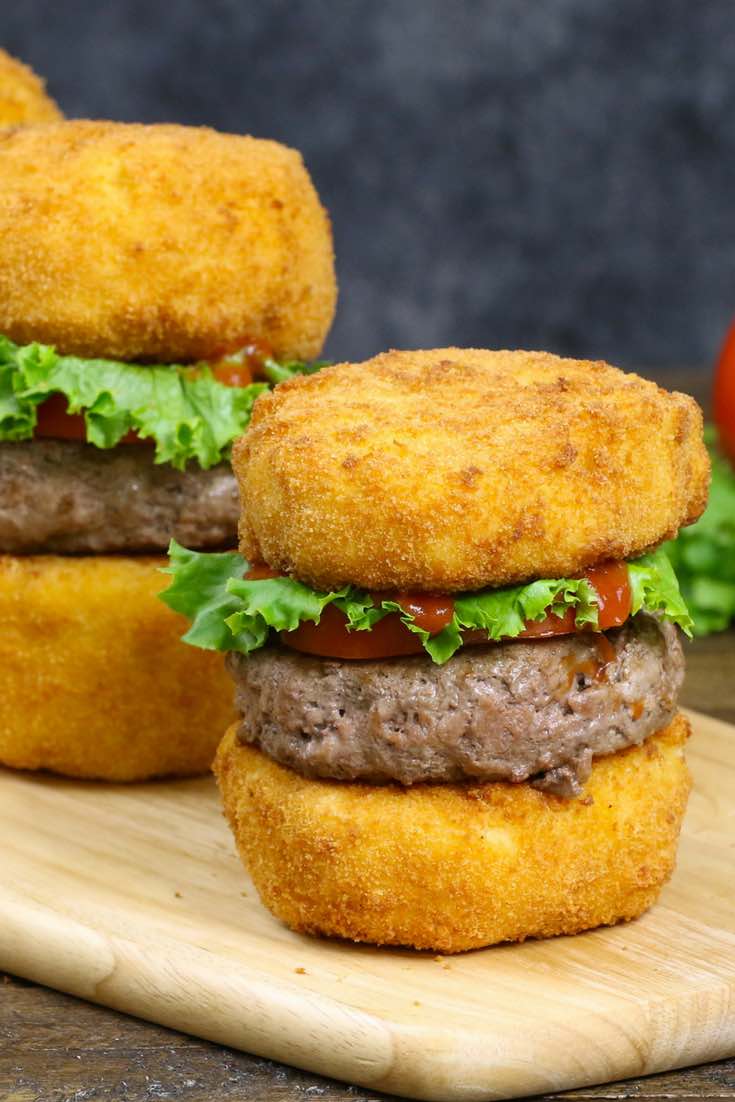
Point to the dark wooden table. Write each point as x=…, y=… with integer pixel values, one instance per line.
x=54, y=1048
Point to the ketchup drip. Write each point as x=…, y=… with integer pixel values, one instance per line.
x=613, y=592
x=605, y=650
x=595, y=669
x=431, y=612
x=239, y=364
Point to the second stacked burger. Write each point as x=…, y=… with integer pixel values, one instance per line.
x=455, y=646
x=155, y=279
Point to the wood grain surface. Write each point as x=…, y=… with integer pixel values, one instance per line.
x=132, y=896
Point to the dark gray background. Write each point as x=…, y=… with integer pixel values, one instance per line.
x=535, y=173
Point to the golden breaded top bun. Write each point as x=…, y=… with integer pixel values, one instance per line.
x=455, y=469
x=160, y=243
x=23, y=97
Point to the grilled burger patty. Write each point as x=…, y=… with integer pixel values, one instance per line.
x=527, y=710
x=64, y=496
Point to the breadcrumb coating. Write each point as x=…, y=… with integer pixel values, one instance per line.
x=160, y=243
x=23, y=96
x=94, y=678
x=455, y=469
x=455, y=867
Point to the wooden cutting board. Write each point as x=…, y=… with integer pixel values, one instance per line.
x=133, y=897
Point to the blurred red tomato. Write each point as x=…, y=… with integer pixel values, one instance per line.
x=724, y=398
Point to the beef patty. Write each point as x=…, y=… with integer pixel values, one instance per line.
x=64, y=496
x=526, y=710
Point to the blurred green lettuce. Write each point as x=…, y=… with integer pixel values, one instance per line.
x=703, y=555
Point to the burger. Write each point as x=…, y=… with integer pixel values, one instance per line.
x=455, y=645
x=23, y=96
x=155, y=280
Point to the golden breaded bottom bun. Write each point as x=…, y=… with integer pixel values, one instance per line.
x=94, y=679
x=453, y=867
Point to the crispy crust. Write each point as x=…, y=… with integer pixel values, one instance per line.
x=94, y=680
x=160, y=243
x=454, y=867
x=456, y=468
x=23, y=97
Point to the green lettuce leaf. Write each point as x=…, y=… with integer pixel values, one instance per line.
x=360, y=609
x=279, y=372
x=199, y=591
x=503, y=613
x=654, y=587
x=185, y=411
x=278, y=603
x=230, y=612
x=703, y=555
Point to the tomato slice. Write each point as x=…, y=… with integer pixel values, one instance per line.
x=550, y=625
x=613, y=591
x=390, y=638
x=724, y=396
x=55, y=422
x=331, y=639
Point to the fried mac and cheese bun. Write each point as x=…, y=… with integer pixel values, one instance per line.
x=160, y=243
x=455, y=469
x=96, y=682
x=453, y=867
x=23, y=96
